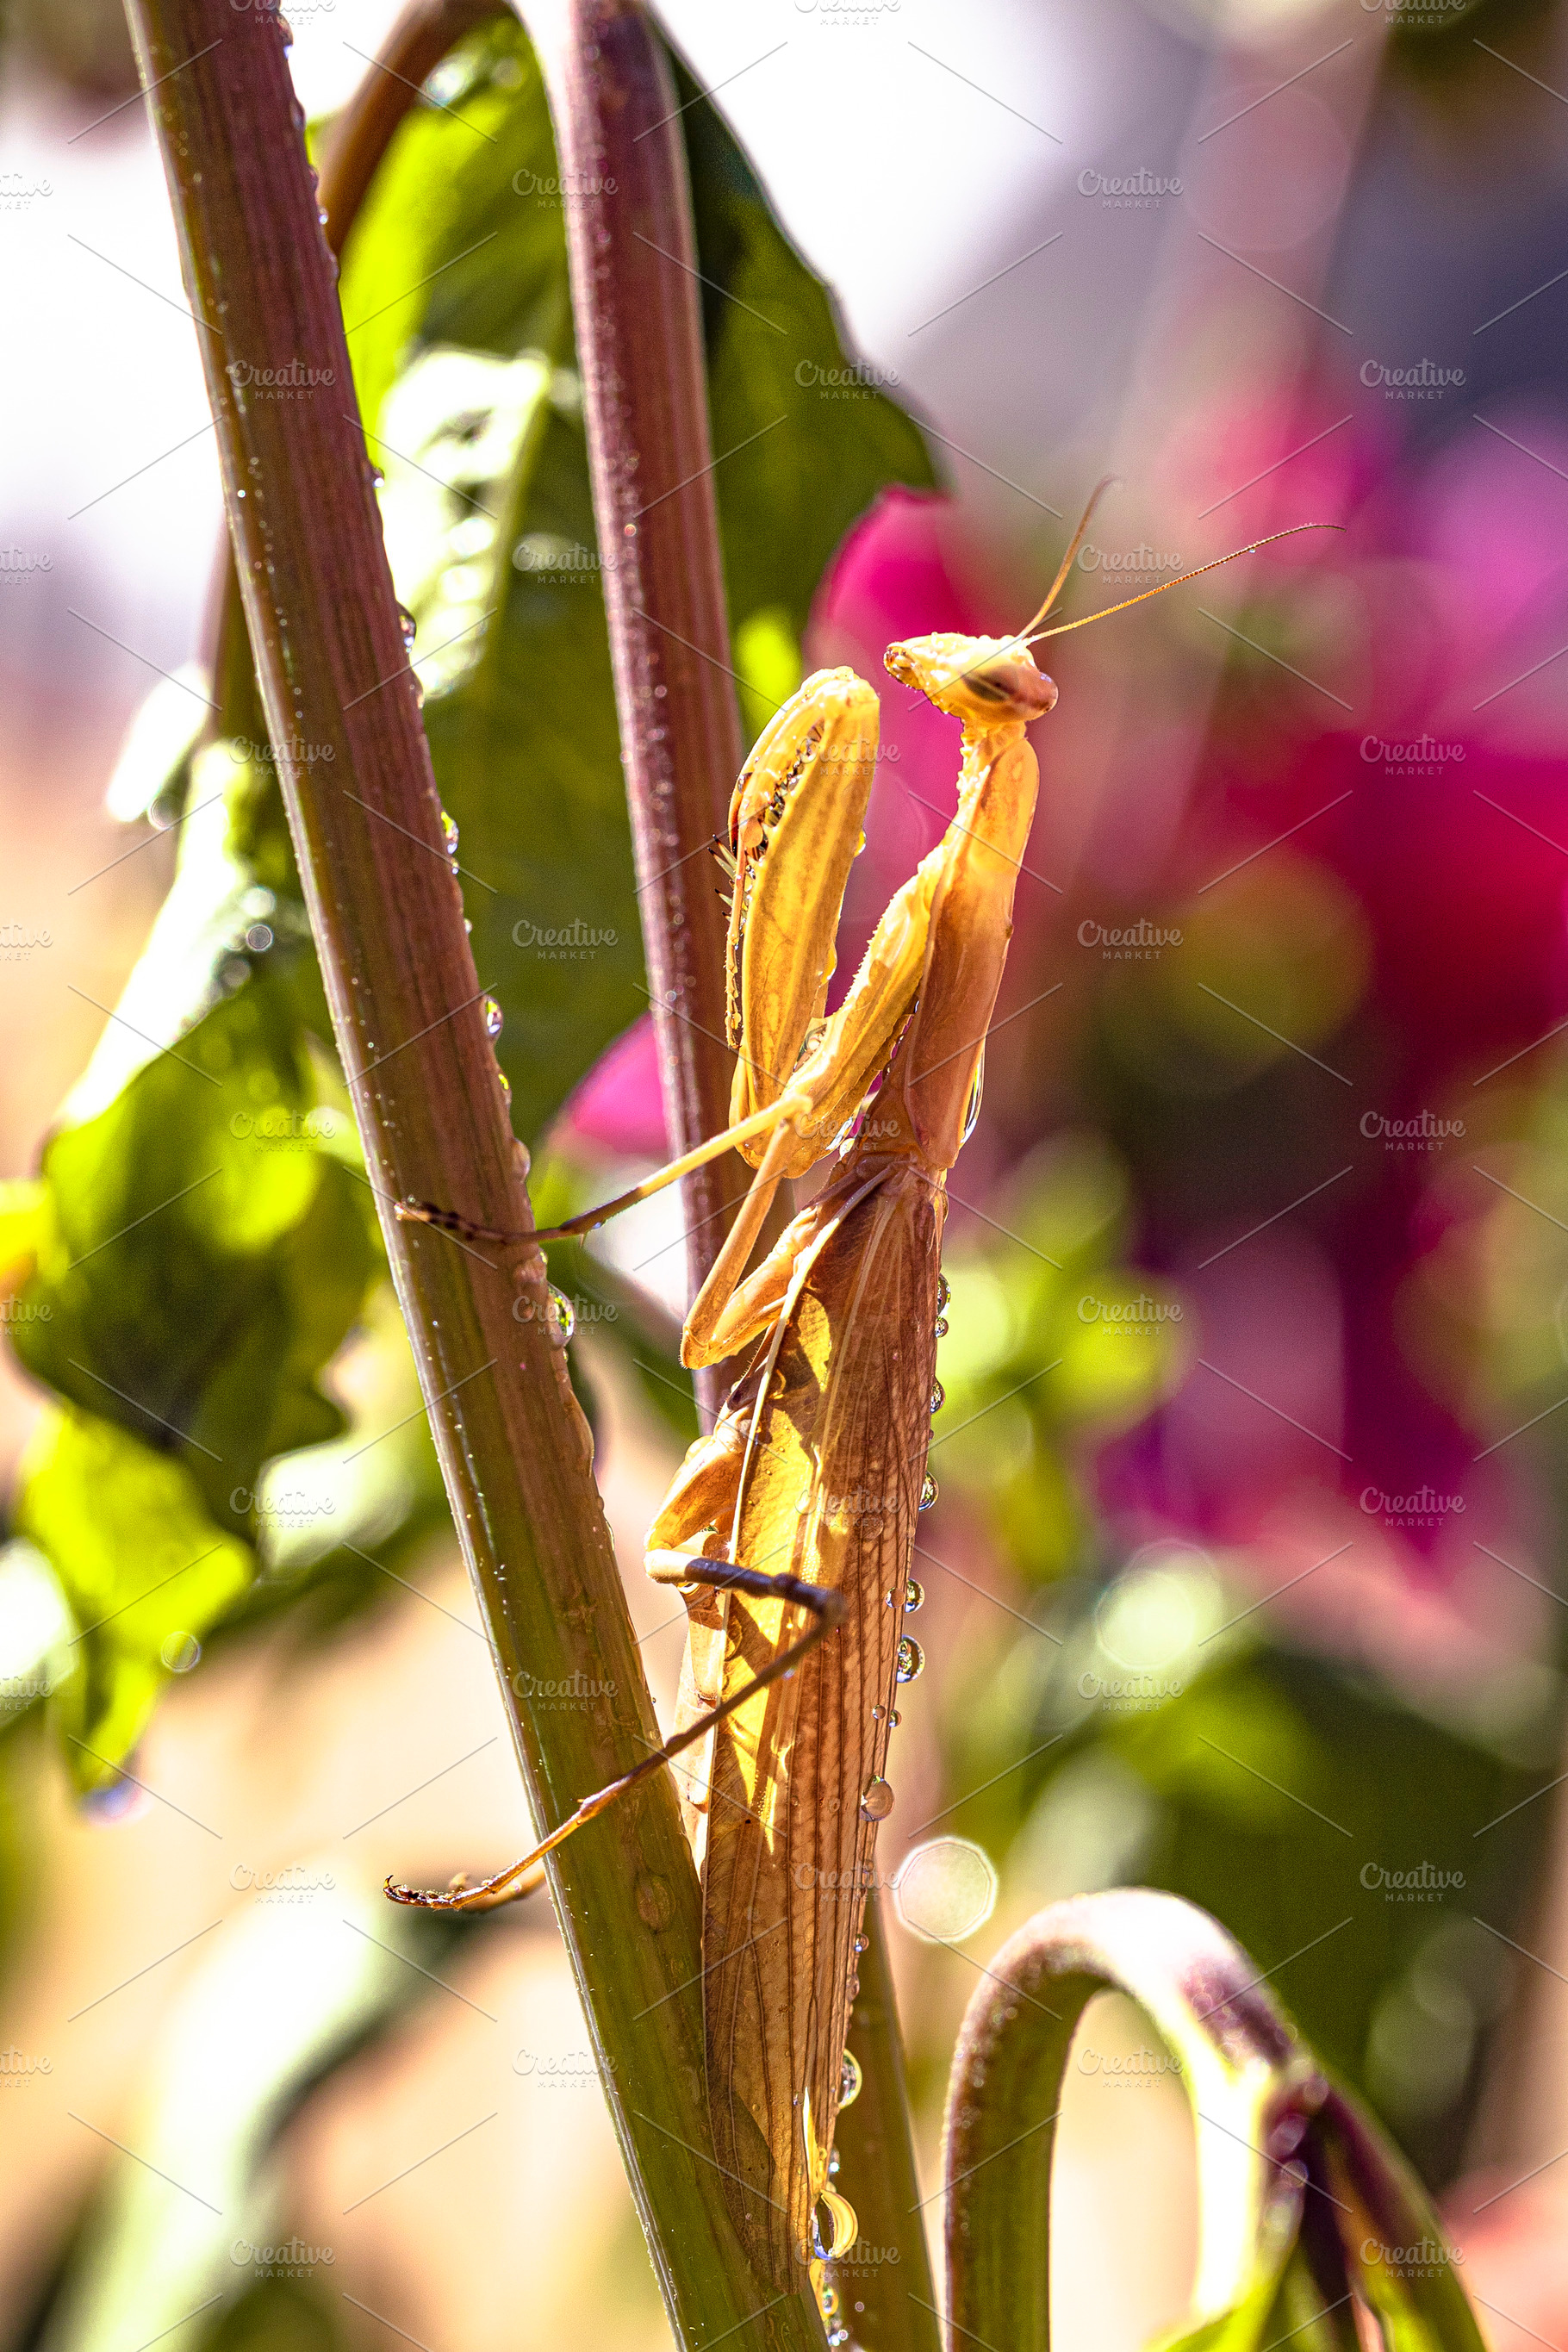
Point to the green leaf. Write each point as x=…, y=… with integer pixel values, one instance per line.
x=145, y=1571
x=805, y=438
x=207, y=1253
x=202, y=1251
x=473, y=407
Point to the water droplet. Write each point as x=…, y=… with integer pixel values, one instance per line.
x=833, y=2162
x=941, y=1327
x=449, y=835
x=566, y=1316
x=862, y=1943
x=930, y=1490
x=408, y=624
x=938, y=1396
x=258, y=939
x=849, y=2080
x=180, y=1653
x=894, y=1720
x=878, y=1713
x=877, y=1796
x=838, y=2337
x=322, y=214
x=505, y=1083
x=914, y=1596
x=494, y=1017
x=943, y=1292
x=827, y=2303
x=911, y=1661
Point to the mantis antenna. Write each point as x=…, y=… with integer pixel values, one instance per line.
x=1106, y=482
x=1062, y=628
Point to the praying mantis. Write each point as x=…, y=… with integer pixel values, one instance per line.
x=817, y=1460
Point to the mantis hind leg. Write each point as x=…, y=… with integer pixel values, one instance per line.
x=827, y=1609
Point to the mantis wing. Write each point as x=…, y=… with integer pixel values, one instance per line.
x=831, y=1493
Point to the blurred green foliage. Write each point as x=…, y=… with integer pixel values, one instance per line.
x=204, y=1241
x=1049, y=1340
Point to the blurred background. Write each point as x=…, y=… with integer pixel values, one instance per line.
x=1246, y=1578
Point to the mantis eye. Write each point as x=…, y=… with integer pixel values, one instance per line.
x=1009, y=684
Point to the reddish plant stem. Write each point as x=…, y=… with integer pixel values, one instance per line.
x=342, y=709
x=639, y=348
x=362, y=133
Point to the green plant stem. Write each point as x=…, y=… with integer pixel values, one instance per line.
x=342, y=712
x=885, y=2292
x=632, y=259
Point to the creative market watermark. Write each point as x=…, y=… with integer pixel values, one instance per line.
x=1124, y=2070
x=1140, y=1314
x=558, y=189
x=1420, y=755
x=1424, y=1882
x=296, y=752
x=20, y=943
x=852, y=382
x=1423, y=379
x=574, y=1693
x=294, y=380
x=1425, y=1507
x=295, y=2258
x=293, y=1508
x=1138, y=191
x=545, y=554
x=20, y=191
x=292, y=1884
x=282, y=1129
x=566, y=2070
x=1139, y=942
x=1123, y=563
x=1422, y=1130
x=572, y=943
x=858, y=15
x=20, y=2067
x=1129, y=1694
x=1427, y=2256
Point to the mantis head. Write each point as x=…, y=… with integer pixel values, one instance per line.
x=991, y=681
x=984, y=681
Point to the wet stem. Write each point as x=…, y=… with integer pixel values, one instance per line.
x=386, y=913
